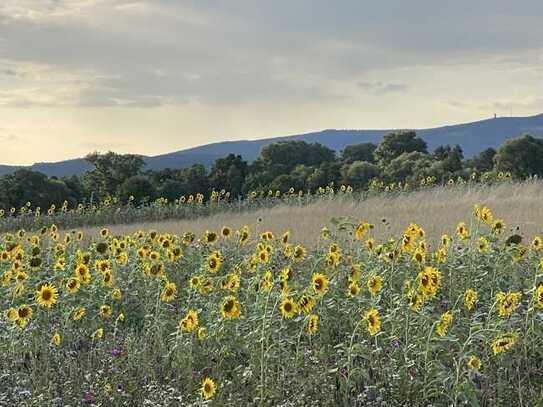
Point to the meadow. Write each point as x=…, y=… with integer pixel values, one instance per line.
x=431, y=297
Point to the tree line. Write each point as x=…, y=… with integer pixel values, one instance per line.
x=399, y=157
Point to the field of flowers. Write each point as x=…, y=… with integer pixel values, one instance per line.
x=246, y=317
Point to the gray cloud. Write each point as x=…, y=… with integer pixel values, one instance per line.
x=380, y=88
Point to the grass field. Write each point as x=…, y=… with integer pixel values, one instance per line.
x=437, y=210
x=407, y=299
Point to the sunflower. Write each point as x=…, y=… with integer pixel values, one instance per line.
x=306, y=303
x=462, y=231
x=312, y=324
x=169, y=292
x=208, y=388
x=353, y=290
x=72, y=285
x=226, y=232
x=206, y=286
x=82, y=273
x=474, y=363
x=98, y=334
x=107, y=279
x=214, y=262
x=263, y=257
x=285, y=238
x=201, y=333
x=24, y=314
x=230, y=307
x=482, y=244
x=55, y=339
x=105, y=311
x=210, y=237
x=539, y=296
x=470, y=299
x=266, y=283
x=429, y=281
x=288, y=308
x=498, y=226
x=444, y=323
x=373, y=321
x=299, y=254
x=195, y=282
x=12, y=314
x=537, y=243
x=507, y=302
x=79, y=313
x=415, y=300
x=503, y=343
x=243, y=235
x=47, y=295
x=375, y=284
x=445, y=241
x=116, y=294
x=320, y=283
x=190, y=322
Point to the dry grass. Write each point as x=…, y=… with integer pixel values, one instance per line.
x=437, y=210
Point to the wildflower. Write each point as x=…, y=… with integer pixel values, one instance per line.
x=47, y=295
x=462, y=231
x=214, y=262
x=507, y=302
x=373, y=321
x=98, y=334
x=444, y=323
x=169, y=292
x=474, y=363
x=320, y=283
x=189, y=322
x=353, y=290
x=55, y=340
x=306, y=303
x=470, y=299
x=79, y=313
x=429, y=281
x=504, y=343
x=230, y=307
x=312, y=324
x=288, y=308
x=105, y=311
x=208, y=388
x=375, y=284
x=482, y=244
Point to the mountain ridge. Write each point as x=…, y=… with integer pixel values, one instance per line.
x=473, y=137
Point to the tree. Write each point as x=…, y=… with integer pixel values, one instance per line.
x=396, y=143
x=359, y=173
x=484, y=161
x=110, y=171
x=408, y=167
x=450, y=158
x=229, y=174
x=288, y=154
x=139, y=188
x=522, y=157
x=359, y=152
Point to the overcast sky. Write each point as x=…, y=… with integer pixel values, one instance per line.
x=155, y=76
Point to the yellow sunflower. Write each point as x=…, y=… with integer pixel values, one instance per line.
x=288, y=308
x=208, y=388
x=47, y=295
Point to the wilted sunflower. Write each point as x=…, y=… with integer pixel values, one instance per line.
x=415, y=300
x=98, y=334
x=537, y=243
x=208, y=388
x=201, y=333
x=47, y=295
x=319, y=283
x=230, y=307
x=24, y=314
x=288, y=308
x=373, y=321
x=116, y=294
x=169, y=292
x=312, y=324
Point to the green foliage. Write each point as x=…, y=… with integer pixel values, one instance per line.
x=397, y=143
x=522, y=157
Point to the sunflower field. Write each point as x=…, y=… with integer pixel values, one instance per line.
x=246, y=317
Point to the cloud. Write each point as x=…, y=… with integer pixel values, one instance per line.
x=380, y=88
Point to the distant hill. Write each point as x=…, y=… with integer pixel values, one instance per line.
x=472, y=137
